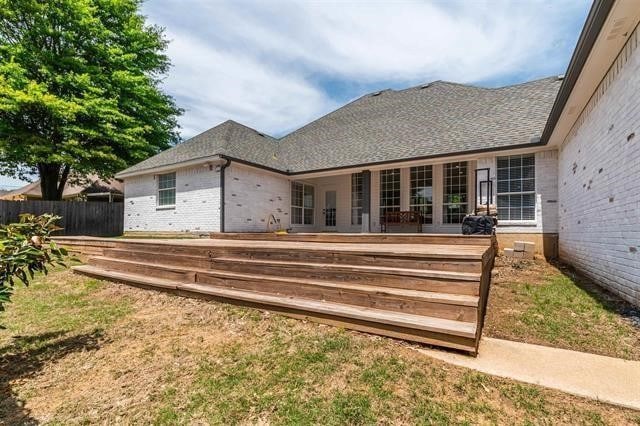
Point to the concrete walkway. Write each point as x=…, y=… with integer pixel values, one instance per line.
x=606, y=379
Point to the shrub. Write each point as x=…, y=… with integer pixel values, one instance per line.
x=26, y=249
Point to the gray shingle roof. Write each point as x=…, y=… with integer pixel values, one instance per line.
x=229, y=138
x=442, y=118
x=433, y=120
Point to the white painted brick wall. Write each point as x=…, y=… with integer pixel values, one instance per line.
x=599, y=183
x=251, y=196
x=197, y=202
x=546, y=194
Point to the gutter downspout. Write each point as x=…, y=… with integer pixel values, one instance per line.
x=222, y=169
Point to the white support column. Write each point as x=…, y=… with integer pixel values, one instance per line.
x=405, y=176
x=438, y=182
x=375, y=201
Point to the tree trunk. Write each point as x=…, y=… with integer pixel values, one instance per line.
x=53, y=178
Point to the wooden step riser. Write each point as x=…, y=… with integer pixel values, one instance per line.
x=85, y=252
x=301, y=255
x=296, y=289
x=386, y=280
x=179, y=261
x=404, y=333
x=438, y=285
x=203, y=259
x=360, y=238
x=348, y=296
x=353, y=259
x=146, y=269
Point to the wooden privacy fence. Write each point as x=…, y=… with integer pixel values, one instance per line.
x=78, y=218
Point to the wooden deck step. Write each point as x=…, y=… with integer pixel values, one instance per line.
x=421, y=251
x=388, y=270
x=444, y=278
x=443, y=305
x=416, y=279
x=371, y=238
x=199, y=256
x=413, y=279
x=451, y=333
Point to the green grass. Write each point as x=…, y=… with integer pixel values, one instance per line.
x=57, y=305
x=66, y=331
x=559, y=310
x=335, y=379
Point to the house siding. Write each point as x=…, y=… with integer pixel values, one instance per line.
x=251, y=195
x=599, y=182
x=197, y=207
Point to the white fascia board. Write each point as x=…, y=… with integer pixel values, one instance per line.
x=215, y=159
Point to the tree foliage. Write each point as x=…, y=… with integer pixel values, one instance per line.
x=80, y=89
x=25, y=249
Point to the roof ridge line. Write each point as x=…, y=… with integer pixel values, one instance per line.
x=329, y=113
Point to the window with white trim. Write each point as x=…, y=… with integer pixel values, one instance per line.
x=421, y=195
x=455, y=193
x=302, y=203
x=356, y=198
x=517, y=187
x=166, y=190
x=389, y=191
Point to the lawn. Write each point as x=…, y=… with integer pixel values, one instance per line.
x=549, y=304
x=77, y=350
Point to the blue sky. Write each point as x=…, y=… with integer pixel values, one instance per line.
x=276, y=65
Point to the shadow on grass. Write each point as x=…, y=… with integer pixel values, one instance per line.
x=25, y=357
x=603, y=297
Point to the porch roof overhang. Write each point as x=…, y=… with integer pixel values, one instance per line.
x=436, y=159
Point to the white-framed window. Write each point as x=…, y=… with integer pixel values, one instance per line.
x=356, y=198
x=517, y=187
x=302, y=203
x=455, y=194
x=421, y=192
x=389, y=191
x=166, y=190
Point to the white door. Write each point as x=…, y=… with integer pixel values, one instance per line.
x=329, y=211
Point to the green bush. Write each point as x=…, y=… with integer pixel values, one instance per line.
x=26, y=249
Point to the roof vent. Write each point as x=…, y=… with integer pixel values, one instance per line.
x=376, y=94
x=561, y=77
x=261, y=134
x=424, y=86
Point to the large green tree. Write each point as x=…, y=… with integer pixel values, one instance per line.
x=80, y=89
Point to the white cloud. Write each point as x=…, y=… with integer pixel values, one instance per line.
x=260, y=63
x=214, y=85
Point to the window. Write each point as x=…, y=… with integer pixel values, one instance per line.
x=454, y=205
x=389, y=191
x=167, y=190
x=302, y=203
x=421, y=195
x=517, y=187
x=356, y=198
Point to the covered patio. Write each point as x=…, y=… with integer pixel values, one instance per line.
x=426, y=197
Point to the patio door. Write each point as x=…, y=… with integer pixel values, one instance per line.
x=329, y=211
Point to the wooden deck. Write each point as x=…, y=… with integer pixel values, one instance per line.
x=426, y=288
